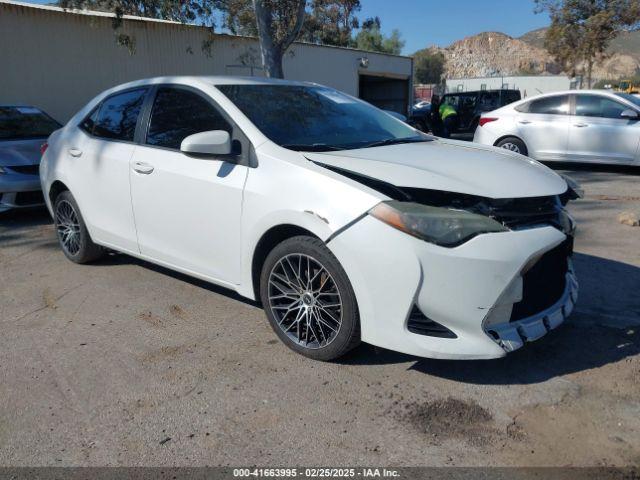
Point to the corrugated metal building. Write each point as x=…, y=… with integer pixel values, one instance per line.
x=58, y=60
x=529, y=85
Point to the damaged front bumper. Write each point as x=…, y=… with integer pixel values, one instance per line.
x=513, y=335
x=470, y=290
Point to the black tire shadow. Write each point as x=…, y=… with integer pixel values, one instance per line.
x=115, y=258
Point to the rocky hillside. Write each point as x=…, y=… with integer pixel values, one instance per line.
x=624, y=53
x=494, y=53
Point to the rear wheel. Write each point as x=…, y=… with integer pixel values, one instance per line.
x=309, y=300
x=72, y=232
x=513, y=144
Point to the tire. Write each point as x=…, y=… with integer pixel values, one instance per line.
x=318, y=319
x=513, y=144
x=72, y=232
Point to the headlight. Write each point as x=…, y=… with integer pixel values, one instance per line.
x=441, y=226
x=573, y=186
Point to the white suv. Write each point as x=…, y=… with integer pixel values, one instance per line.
x=346, y=223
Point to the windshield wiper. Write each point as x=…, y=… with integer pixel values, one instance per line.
x=395, y=141
x=313, y=147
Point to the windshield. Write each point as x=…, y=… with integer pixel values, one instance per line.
x=316, y=118
x=630, y=98
x=20, y=123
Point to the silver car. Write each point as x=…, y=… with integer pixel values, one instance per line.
x=23, y=131
x=572, y=126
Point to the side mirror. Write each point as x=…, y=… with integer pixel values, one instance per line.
x=213, y=142
x=630, y=114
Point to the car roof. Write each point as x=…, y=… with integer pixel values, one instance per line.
x=607, y=93
x=474, y=92
x=211, y=80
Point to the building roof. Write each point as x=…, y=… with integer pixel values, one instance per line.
x=95, y=13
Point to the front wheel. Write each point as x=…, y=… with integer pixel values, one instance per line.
x=309, y=300
x=514, y=145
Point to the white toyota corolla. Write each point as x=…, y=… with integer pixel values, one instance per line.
x=344, y=222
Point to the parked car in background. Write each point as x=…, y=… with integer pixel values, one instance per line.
x=345, y=223
x=470, y=105
x=597, y=126
x=420, y=117
x=23, y=130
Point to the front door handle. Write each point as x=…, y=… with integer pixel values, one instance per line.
x=581, y=125
x=143, y=168
x=75, y=152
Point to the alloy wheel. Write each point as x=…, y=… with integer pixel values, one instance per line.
x=511, y=146
x=305, y=300
x=68, y=227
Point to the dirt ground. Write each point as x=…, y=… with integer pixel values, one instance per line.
x=125, y=363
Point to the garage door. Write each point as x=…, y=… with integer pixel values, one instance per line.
x=385, y=93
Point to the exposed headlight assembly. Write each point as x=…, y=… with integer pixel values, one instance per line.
x=441, y=226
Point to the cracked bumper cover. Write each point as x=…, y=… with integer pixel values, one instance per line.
x=513, y=335
x=470, y=289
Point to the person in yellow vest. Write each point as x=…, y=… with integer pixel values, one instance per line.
x=449, y=117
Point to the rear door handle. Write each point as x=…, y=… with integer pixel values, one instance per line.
x=143, y=168
x=581, y=125
x=75, y=152
x=525, y=122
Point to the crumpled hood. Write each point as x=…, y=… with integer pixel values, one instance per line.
x=450, y=166
x=20, y=152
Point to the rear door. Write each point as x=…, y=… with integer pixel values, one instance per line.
x=598, y=133
x=188, y=208
x=543, y=124
x=100, y=168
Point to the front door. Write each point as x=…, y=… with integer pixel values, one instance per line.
x=598, y=133
x=187, y=209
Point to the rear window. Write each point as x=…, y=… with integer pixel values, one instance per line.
x=556, y=105
x=117, y=117
x=20, y=123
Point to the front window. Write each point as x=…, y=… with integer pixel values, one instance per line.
x=301, y=117
x=630, y=98
x=598, y=106
x=178, y=113
x=22, y=123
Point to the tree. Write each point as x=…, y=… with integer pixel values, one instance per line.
x=370, y=38
x=581, y=30
x=279, y=23
x=428, y=66
x=331, y=22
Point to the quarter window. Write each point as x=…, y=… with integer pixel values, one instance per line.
x=90, y=121
x=118, y=116
x=178, y=113
x=558, y=105
x=597, y=106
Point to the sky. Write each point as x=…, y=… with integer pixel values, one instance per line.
x=423, y=23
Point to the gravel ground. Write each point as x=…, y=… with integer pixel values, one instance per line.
x=125, y=363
